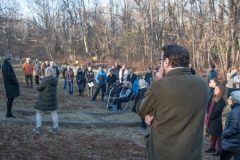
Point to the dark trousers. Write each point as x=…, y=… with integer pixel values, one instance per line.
x=27, y=78
x=9, y=105
x=118, y=102
x=215, y=139
x=36, y=80
x=100, y=86
x=226, y=155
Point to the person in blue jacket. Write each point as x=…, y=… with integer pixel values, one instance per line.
x=101, y=79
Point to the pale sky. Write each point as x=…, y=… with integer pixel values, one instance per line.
x=24, y=9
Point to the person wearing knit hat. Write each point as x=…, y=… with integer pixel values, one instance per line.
x=231, y=133
x=10, y=83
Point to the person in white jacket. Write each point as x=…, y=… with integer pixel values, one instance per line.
x=123, y=74
x=231, y=86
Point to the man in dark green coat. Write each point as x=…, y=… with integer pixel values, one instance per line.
x=175, y=107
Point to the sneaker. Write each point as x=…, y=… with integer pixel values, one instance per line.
x=217, y=154
x=210, y=150
x=54, y=130
x=37, y=130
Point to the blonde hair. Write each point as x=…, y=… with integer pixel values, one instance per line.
x=142, y=83
x=49, y=71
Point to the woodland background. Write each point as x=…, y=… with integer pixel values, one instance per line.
x=128, y=31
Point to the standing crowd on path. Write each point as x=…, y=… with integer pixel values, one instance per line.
x=170, y=98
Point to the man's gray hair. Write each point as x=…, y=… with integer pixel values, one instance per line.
x=236, y=96
x=7, y=56
x=49, y=71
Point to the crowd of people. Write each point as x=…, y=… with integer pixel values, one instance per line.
x=170, y=98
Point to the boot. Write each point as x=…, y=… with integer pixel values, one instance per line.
x=217, y=154
x=79, y=92
x=82, y=92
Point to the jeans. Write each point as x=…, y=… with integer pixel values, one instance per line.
x=64, y=83
x=226, y=155
x=118, y=101
x=39, y=118
x=9, y=105
x=70, y=87
x=27, y=77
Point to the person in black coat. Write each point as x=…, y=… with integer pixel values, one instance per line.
x=212, y=84
x=148, y=76
x=111, y=78
x=143, y=88
x=231, y=133
x=47, y=100
x=80, y=81
x=214, y=120
x=131, y=76
x=10, y=83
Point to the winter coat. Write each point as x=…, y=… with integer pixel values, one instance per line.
x=27, y=68
x=43, y=67
x=177, y=103
x=230, y=80
x=101, y=77
x=148, y=78
x=139, y=96
x=215, y=128
x=10, y=80
x=56, y=71
x=123, y=75
x=71, y=75
x=133, y=78
x=64, y=70
x=89, y=75
x=111, y=79
x=36, y=69
x=135, y=87
x=210, y=97
x=231, y=133
x=47, y=96
x=80, y=77
x=116, y=72
x=116, y=90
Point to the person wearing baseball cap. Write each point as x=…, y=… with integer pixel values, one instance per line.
x=101, y=79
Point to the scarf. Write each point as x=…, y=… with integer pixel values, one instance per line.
x=209, y=115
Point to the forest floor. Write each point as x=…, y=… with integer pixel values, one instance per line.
x=86, y=129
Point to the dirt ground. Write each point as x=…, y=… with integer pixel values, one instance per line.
x=18, y=141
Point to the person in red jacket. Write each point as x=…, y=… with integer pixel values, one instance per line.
x=27, y=69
